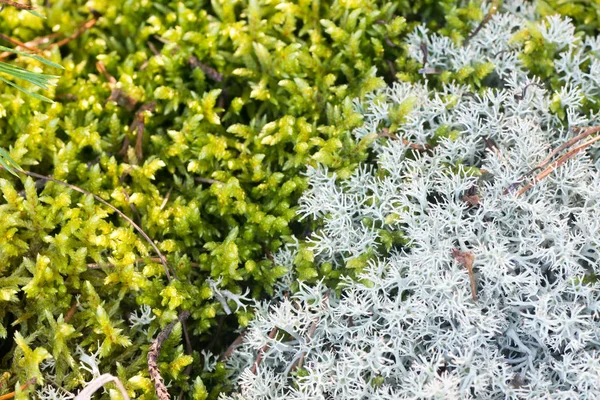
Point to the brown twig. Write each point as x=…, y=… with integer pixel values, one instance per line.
x=115, y=209
x=423, y=47
x=466, y=258
x=487, y=19
x=132, y=206
x=129, y=103
x=557, y=164
x=45, y=39
x=385, y=132
x=80, y=30
x=490, y=144
x=102, y=69
x=14, y=4
x=229, y=352
x=71, y=312
x=587, y=131
x=117, y=95
x=138, y=125
x=153, y=48
x=521, y=96
x=427, y=70
x=34, y=42
x=471, y=196
x=392, y=69
x=208, y=71
x=18, y=43
x=195, y=62
x=262, y=351
x=10, y=395
x=154, y=353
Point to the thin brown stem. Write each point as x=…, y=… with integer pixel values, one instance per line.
x=71, y=312
x=229, y=352
x=558, y=163
x=115, y=209
x=10, y=395
x=80, y=30
x=19, y=43
x=587, y=132
x=262, y=351
x=487, y=19
x=20, y=6
x=166, y=199
x=385, y=132
x=154, y=354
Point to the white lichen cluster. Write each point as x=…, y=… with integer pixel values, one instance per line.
x=412, y=327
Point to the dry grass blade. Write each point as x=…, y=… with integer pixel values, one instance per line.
x=80, y=30
x=88, y=391
x=558, y=163
x=138, y=126
x=587, y=132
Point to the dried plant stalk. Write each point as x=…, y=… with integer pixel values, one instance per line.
x=92, y=387
x=154, y=353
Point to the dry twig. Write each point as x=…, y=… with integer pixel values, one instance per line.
x=88, y=391
x=206, y=180
x=487, y=19
x=19, y=43
x=229, y=352
x=14, y=4
x=262, y=351
x=10, y=395
x=117, y=95
x=548, y=166
x=46, y=39
x=154, y=353
x=71, y=312
x=138, y=126
x=195, y=62
x=385, y=132
x=80, y=30
x=557, y=164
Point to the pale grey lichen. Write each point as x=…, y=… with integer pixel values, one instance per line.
x=411, y=327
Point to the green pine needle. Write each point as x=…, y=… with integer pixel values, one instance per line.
x=8, y=163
